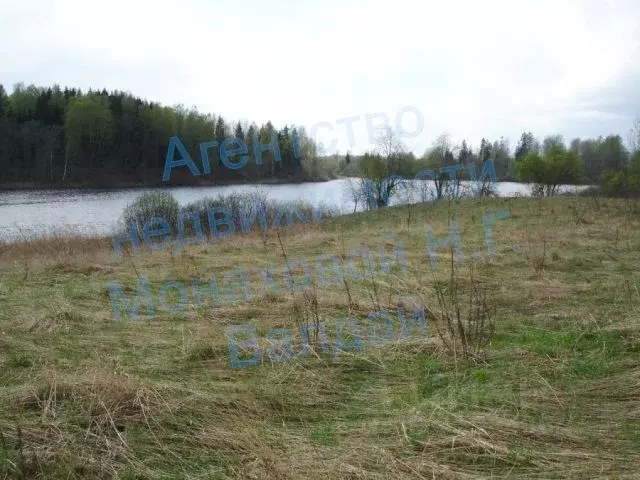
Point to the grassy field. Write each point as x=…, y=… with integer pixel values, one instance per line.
x=548, y=388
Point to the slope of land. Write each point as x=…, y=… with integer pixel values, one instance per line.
x=554, y=393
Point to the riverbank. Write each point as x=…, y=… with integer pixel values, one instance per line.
x=45, y=212
x=196, y=182
x=552, y=393
x=183, y=181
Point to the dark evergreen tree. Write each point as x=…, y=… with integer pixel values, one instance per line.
x=527, y=144
x=238, y=133
x=3, y=101
x=463, y=155
x=221, y=131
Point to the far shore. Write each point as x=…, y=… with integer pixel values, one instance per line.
x=191, y=183
x=124, y=185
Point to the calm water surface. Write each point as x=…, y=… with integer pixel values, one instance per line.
x=39, y=212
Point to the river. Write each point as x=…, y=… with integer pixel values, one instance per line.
x=32, y=213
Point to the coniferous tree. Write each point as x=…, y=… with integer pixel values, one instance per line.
x=3, y=101
x=528, y=144
x=464, y=153
x=238, y=132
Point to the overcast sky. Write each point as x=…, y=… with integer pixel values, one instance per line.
x=472, y=68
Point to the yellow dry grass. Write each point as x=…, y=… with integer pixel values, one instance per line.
x=554, y=393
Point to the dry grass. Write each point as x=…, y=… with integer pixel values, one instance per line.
x=555, y=395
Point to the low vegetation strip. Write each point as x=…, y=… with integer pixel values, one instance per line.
x=158, y=214
x=528, y=370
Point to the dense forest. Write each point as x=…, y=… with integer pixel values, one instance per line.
x=64, y=137
x=58, y=137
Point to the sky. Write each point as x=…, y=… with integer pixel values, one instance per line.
x=471, y=69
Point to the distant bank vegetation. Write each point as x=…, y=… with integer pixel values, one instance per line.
x=54, y=136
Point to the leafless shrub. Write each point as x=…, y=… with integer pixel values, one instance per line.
x=464, y=320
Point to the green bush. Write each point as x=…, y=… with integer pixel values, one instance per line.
x=148, y=205
x=622, y=184
x=547, y=172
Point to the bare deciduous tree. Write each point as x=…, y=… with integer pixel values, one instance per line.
x=440, y=155
x=380, y=172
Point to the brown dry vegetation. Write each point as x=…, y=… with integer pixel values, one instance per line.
x=554, y=392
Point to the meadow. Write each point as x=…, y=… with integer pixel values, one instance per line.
x=529, y=369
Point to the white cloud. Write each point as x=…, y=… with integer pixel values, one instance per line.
x=475, y=69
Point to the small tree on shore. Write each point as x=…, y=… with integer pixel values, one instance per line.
x=441, y=154
x=626, y=182
x=380, y=171
x=547, y=172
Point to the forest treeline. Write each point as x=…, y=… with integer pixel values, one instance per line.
x=597, y=156
x=56, y=137
x=53, y=136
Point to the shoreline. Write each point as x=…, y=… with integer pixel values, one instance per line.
x=136, y=186
x=219, y=183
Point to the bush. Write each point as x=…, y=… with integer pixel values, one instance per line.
x=546, y=173
x=241, y=205
x=233, y=202
x=248, y=204
x=621, y=184
x=148, y=205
